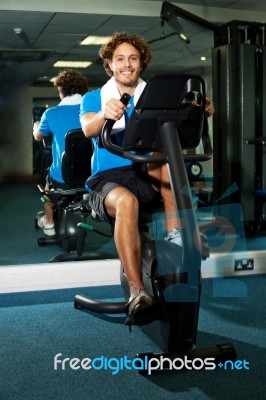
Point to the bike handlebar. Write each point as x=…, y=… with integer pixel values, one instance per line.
x=144, y=158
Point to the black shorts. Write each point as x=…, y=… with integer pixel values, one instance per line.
x=134, y=178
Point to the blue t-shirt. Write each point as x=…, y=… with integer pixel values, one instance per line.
x=102, y=159
x=58, y=121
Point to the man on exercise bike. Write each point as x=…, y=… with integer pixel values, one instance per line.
x=57, y=121
x=118, y=187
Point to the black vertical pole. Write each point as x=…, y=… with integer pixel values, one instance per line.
x=179, y=180
x=258, y=119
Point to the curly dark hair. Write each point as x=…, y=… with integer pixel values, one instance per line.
x=107, y=50
x=71, y=82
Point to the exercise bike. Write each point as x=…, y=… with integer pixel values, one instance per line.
x=75, y=169
x=164, y=121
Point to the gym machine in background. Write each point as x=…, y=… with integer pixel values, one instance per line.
x=238, y=62
x=238, y=91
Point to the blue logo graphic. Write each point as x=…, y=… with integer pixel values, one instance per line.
x=221, y=231
x=234, y=365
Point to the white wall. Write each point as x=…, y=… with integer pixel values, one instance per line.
x=16, y=103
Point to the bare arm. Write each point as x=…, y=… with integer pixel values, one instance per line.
x=209, y=109
x=92, y=123
x=36, y=133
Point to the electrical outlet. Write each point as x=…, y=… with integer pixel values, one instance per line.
x=244, y=264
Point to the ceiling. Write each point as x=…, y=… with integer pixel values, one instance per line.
x=52, y=35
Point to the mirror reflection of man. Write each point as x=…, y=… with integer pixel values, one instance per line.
x=59, y=120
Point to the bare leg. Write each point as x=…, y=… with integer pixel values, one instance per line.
x=49, y=211
x=122, y=205
x=160, y=181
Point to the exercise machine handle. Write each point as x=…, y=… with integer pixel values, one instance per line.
x=107, y=141
x=107, y=129
x=144, y=158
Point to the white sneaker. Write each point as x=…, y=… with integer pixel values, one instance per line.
x=174, y=237
x=140, y=309
x=48, y=229
x=139, y=298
